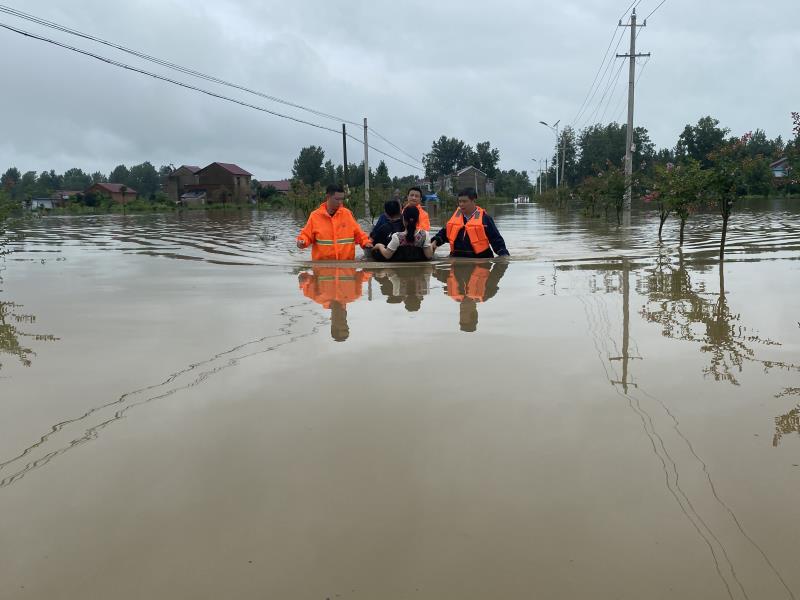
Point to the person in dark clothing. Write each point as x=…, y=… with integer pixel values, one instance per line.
x=390, y=222
x=471, y=232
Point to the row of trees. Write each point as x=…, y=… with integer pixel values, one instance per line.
x=144, y=178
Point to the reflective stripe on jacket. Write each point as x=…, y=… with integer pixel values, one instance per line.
x=332, y=237
x=475, y=230
x=333, y=284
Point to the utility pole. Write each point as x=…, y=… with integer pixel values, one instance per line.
x=563, y=158
x=554, y=129
x=344, y=151
x=546, y=174
x=631, y=84
x=366, y=171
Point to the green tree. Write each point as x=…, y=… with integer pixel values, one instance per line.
x=727, y=180
x=486, y=159
x=600, y=145
x=568, y=156
x=699, y=141
x=9, y=181
x=447, y=155
x=76, y=179
x=308, y=165
x=382, y=179
x=330, y=173
x=512, y=183
x=120, y=174
x=681, y=189
x=98, y=177
x=144, y=179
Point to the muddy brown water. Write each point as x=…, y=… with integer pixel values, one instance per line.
x=191, y=409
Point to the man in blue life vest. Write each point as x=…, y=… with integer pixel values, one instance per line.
x=471, y=232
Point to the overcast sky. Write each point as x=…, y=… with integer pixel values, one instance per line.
x=417, y=69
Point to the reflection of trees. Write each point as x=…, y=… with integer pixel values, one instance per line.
x=790, y=422
x=11, y=336
x=684, y=311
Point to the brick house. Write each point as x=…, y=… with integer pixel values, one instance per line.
x=223, y=182
x=116, y=191
x=467, y=177
x=178, y=182
x=282, y=186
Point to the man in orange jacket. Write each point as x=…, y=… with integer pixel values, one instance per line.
x=414, y=198
x=331, y=230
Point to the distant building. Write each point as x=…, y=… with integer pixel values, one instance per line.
x=283, y=186
x=42, y=203
x=780, y=168
x=223, y=182
x=118, y=192
x=179, y=181
x=193, y=198
x=467, y=177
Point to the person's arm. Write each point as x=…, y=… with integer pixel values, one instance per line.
x=427, y=247
x=361, y=238
x=388, y=251
x=440, y=239
x=495, y=239
x=306, y=235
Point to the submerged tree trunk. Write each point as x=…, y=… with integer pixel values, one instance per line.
x=662, y=220
x=725, y=218
x=683, y=224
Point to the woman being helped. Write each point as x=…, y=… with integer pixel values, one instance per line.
x=413, y=244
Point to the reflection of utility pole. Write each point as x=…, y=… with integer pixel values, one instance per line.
x=625, y=329
x=629, y=133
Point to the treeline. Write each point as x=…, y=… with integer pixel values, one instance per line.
x=20, y=187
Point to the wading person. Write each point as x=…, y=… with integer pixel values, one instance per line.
x=331, y=230
x=413, y=198
x=412, y=244
x=382, y=232
x=470, y=232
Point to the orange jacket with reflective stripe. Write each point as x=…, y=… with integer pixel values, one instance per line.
x=474, y=288
x=332, y=237
x=424, y=218
x=475, y=230
x=329, y=284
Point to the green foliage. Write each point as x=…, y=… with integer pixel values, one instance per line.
x=699, y=141
x=486, y=159
x=600, y=145
x=512, y=183
x=447, y=155
x=680, y=190
x=76, y=179
x=382, y=179
x=308, y=165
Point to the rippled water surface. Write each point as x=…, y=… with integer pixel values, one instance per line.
x=189, y=408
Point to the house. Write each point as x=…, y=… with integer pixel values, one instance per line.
x=468, y=177
x=780, y=168
x=178, y=182
x=283, y=186
x=193, y=198
x=42, y=203
x=118, y=192
x=61, y=197
x=223, y=182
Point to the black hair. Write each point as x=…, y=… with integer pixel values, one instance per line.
x=411, y=217
x=417, y=189
x=469, y=193
x=333, y=188
x=391, y=208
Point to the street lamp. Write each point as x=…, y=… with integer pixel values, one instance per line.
x=554, y=129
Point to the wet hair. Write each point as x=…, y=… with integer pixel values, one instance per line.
x=334, y=188
x=469, y=193
x=411, y=218
x=391, y=208
x=415, y=189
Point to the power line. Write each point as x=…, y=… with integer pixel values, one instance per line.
x=605, y=74
x=655, y=9
x=191, y=87
x=603, y=62
x=613, y=80
x=635, y=85
x=188, y=71
x=393, y=145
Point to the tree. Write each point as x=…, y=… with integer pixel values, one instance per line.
x=600, y=145
x=447, y=155
x=9, y=181
x=120, y=174
x=512, y=183
x=486, y=158
x=308, y=165
x=144, y=179
x=382, y=179
x=568, y=156
x=700, y=141
x=727, y=180
x=76, y=179
x=330, y=173
x=98, y=177
x=679, y=189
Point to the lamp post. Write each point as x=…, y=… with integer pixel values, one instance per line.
x=554, y=129
x=535, y=166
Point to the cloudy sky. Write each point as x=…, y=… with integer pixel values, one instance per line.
x=417, y=69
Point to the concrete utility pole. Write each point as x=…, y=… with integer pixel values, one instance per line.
x=546, y=173
x=366, y=171
x=344, y=151
x=629, y=137
x=554, y=129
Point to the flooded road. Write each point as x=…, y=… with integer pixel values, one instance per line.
x=191, y=409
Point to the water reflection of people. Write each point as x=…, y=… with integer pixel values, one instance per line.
x=469, y=283
x=408, y=285
x=334, y=288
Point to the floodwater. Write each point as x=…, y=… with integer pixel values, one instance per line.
x=190, y=409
